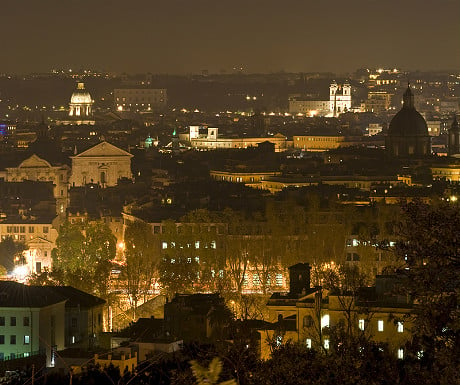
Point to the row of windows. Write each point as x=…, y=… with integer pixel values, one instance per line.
x=25, y=321
x=326, y=345
x=212, y=245
x=308, y=322
x=26, y=340
x=22, y=229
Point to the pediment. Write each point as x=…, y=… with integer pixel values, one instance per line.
x=34, y=161
x=103, y=149
x=38, y=241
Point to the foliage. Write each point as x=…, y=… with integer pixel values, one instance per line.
x=83, y=256
x=140, y=261
x=430, y=245
x=9, y=251
x=209, y=375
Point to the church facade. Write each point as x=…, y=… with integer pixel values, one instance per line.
x=104, y=164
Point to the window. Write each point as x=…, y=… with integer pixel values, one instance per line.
x=13, y=321
x=325, y=321
x=45, y=229
x=326, y=344
x=361, y=324
x=2, y=339
x=400, y=327
x=2, y=321
x=279, y=279
x=26, y=340
x=26, y=321
x=164, y=245
x=400, y=353
x=308, y=343
x=380, y=325
x=13, y=340
x=307, y=321
x=31, y=229
x=74, y=322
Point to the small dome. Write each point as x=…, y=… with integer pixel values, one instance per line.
x=81, y=96
x=408, y=122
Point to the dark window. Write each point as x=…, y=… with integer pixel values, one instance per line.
x=12, y=340
x=74, y=322
x=13, y=321
x=2, y=321
x=99, y=319
x=26, y=321
x=307, y=321
x=38, y=267
x=2, y=339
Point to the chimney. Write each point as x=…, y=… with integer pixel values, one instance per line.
x=299, y=278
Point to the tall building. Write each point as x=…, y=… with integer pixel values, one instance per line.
x=408, y=132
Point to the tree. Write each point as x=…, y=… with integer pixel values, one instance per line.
x=10, y=251
x=205, y=376
x=140, y=262
x=83, y=256
x=430, y=245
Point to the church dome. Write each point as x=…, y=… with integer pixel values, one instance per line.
x=408, y=122
x=80, y=95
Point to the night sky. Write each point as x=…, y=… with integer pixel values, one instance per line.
x=184, y=36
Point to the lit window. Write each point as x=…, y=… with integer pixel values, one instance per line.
x=400, y=353
x=326, y=344
x=213, y=244
x=308, y=342
x=164, y=245
x=197, y=244
x=400, y=327
x=325, y=321
x=380, y=325
x=361, y=324
x=279, y=340
x=26, y=340
x=279, y=279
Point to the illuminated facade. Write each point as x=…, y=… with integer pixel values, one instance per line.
x=103, y=164
x=81, y=104
x=339, y=102
x=212, y=141
x=339, y=98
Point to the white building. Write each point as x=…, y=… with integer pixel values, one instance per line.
x=32, y=321
x=81, y=103
x=338, y=103
x=212, y=141
x=103, y=164
x=339, y=98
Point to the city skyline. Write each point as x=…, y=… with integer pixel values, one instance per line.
x=270, y=36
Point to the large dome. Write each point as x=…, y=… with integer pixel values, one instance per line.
x=81, y=96
x=408, y=122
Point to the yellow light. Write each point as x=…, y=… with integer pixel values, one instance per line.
x=453, y=198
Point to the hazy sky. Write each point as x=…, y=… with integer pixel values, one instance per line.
x=183, y=36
